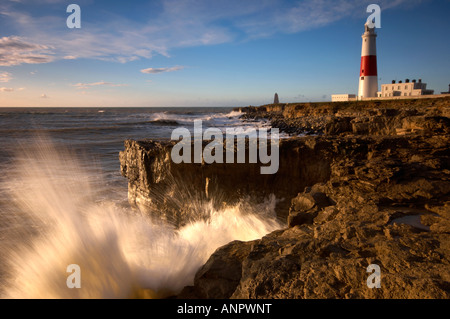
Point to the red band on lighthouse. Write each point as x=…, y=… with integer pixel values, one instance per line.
x=368, y=66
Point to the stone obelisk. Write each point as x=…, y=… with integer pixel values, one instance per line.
x=275, y=99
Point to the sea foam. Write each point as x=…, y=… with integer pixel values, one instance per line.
x=121, y=252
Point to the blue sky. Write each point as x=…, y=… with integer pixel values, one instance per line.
x=211, y=52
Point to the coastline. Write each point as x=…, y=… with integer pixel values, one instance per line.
x=370, y=186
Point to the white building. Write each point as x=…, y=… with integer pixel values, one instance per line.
x=413, y=88
x=343, y=97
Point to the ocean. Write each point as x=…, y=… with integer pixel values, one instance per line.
x=64, y=202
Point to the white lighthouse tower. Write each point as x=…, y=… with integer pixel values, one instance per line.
x=368, y=76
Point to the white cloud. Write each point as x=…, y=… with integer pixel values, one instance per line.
x=84, y=86
x=4, y=89
x=16, y=50
x=44, y=96
x=162, y=70
x=5, y=77
x=173, y=25
x=293, y=17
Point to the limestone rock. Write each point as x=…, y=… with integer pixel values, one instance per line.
x=219, y=277
x=306, y=206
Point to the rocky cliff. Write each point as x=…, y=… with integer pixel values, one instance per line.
x=157, y=185
x=371, y=187
x=368, y=118
x=383, y=204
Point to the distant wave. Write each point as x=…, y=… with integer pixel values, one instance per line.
x=189, y=117
x=165, y=122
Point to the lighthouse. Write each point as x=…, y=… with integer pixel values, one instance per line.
x=368, y=76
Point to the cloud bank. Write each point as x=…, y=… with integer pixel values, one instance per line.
x=16, y=50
